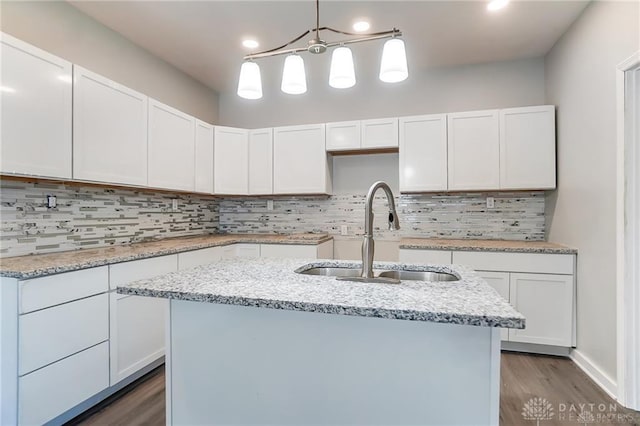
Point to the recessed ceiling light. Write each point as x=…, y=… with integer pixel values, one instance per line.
x=361, y=26
x=250, y=44
x=497, y=4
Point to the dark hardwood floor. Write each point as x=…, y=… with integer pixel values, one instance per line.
x=571, y=396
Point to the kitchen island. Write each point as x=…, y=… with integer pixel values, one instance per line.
x=251, y=341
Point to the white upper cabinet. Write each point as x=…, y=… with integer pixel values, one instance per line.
x=231, y=161
x=109, y=130
x=474, y=150
x=171, y=148
x=261, y=161
x=423, y=153
x=300, y=163
x=36, y=111
x=204, y=157
x=528, y=148
x=379, y=133
x=343, y=136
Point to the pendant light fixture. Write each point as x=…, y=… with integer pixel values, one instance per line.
x=393, y=67
x=294, y=80
x=342, y=74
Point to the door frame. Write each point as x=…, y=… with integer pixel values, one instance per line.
x=628, y=234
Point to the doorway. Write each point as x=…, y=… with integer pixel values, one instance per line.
x=628, y=232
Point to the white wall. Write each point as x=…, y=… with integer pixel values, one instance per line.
x=461, y=88
x=59, y=28
x=580, y=80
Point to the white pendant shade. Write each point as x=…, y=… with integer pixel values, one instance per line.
x=294, y=80
x=393, y=67
x=250, y=83
x=342, y=74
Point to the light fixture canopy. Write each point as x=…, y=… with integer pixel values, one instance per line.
x=294, y=79
x=342, y=75
x=393, y=66
x=250, y=82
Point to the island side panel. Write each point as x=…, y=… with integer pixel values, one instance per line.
x=250, y=366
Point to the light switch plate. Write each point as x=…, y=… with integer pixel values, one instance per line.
x=269, y=205
x=344, y=230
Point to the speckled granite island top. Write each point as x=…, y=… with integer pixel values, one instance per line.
x=486, y=245
x=272, y=283
x=25, y=267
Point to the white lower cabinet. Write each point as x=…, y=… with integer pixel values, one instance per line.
x=546, y=301
x=297, y=251
x=191, y=259
x=137, y=324
x=137, y=333
x=500, y=282
x=540, y=286
x=54, y=389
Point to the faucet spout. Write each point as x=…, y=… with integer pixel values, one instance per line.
x=368, y=245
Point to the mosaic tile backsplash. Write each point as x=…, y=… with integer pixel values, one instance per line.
x=91, y=217
x=516, y=215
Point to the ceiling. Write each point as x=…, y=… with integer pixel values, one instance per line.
x=203, y=38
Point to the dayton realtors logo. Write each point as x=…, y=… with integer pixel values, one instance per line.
x=540, y=409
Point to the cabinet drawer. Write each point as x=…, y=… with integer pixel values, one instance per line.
x=290, y=251
x=516, y=262
x=195, y=258
x=425, y=256
x=40, y=293
x=247, y=250
x=123, y=273
x=49, y=392
x=51, y=334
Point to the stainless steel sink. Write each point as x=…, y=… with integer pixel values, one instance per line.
x=333, y=272
x=388, y=277
x=419, y=275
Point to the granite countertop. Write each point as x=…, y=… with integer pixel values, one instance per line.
x=272, y=283
x=32, y=266
x=486, y=245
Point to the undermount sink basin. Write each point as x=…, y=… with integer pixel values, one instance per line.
x=419, y=275
x=353, y=274
x=333, y=272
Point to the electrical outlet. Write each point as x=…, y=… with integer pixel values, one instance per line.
x=269, y=205
x=174, y=204
x=344, y=230
x=490, y=203
x=52, y=201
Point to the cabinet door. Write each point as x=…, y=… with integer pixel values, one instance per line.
x=204, y=157
x=171, y=148
x=343, y=136
x=500, y=282
x=423, y=153
x=546, y=301
x=380, y=133
x=528, y=148
x=261, y=161
x=474, y=150
x=137, y=324
x=36, y=111
x=300, y=164
x=137, y=327
x=231, y=158
x=109, y=130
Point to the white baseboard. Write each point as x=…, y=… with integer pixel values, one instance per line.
x=596, y=374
